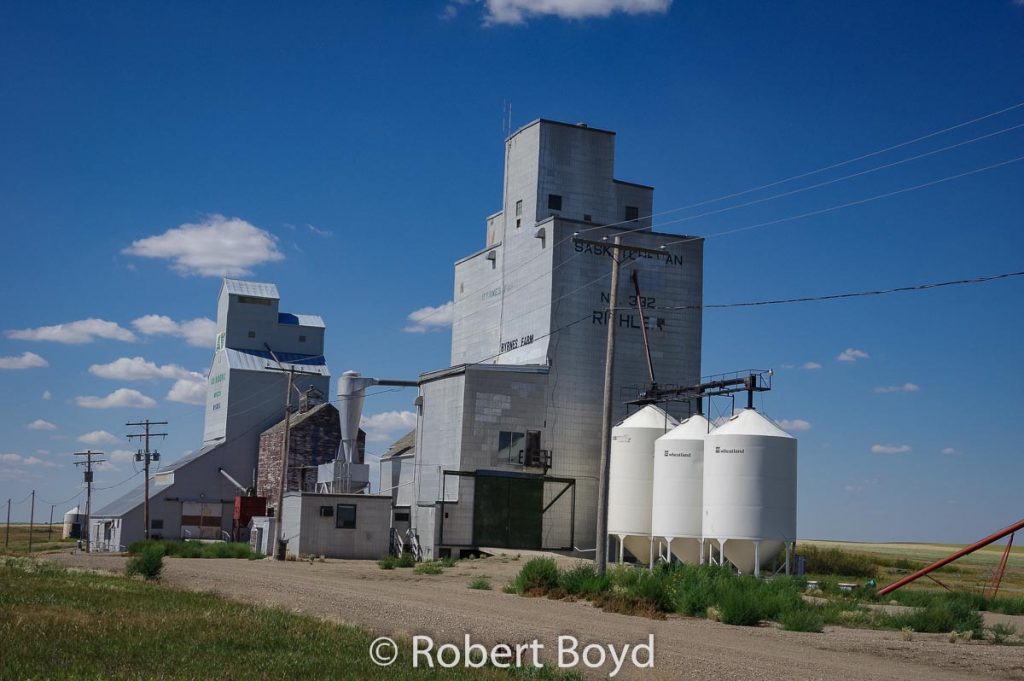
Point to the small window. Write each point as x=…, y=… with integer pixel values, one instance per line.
x=250, y=300
x=252, y=334
x=632, y=212
x=401, y=516
x=554, y=202
x=509, y=444
x=302, y=339
x=519, y=207
x=156, y=524
x=519, y=223
x=326, y=511
x=346, y=518
x=587, y=218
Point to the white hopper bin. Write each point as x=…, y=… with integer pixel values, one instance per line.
x=749, y=491
x=630, y=476
x=677, y=504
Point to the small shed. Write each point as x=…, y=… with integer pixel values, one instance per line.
x=356, y=526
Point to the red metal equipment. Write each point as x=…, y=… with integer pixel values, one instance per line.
x=997, y=579
x=959, y=554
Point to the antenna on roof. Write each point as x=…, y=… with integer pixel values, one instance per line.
x=506, y=117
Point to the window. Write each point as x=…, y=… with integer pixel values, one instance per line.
x=509, y=444
x=156, y=524
x=519, y=222
x=554, y=202
x=302, y=339
x=326, y=511
x=587, y=218
x=519, y=207
x=401, y=516
x=253, y=301
x=252, y=334
x=632, y=212
x=346, y=518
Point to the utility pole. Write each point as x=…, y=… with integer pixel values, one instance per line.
x=146, y=456
x=279, y=547
x=89, y=461
x=601, y=559
x=49, y=528
x=606, y=416
x=7, y=536
x=31, y=521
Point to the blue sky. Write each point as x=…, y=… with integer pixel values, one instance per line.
x=355, y=149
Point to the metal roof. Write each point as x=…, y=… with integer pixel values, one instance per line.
x=403, y=446
x=300, y=319
x=133, y=498
x=251, y=288
x=260, y=360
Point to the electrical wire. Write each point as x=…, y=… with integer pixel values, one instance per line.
x=848, y=204
x=841, y=296
x=785, y=180
x=768, y=223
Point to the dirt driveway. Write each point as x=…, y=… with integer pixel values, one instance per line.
x=398, y=602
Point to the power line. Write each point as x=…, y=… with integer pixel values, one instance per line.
x=785, y=180
x=840, y=296
x=849, y=204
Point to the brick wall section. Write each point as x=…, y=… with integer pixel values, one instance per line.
x=315, y=436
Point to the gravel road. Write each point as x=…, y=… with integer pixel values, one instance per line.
x=398, y=602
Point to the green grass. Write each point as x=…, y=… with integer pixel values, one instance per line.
x=406, y=560
x=387, y=562
x=834, y=561
x=803, y=619
x=429, y=568
x=195, y=549
x=45, y=539
x=481, y=584
x=938, y=617
x=537, y=577
x=62, y=625
x=148, y=563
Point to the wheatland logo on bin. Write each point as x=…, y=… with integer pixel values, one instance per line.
x=569, y=654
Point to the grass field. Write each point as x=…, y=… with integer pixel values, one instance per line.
x=43, y=539
x=62, y=624
x=970, y=573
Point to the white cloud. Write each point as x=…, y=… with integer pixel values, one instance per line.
x=810, y=366
x=853, y=489
x=122, y=397
x=519, y=11
x=99, y=437
x=852, y=355
x=320, y=232
x=216, y=247
x=27, y=461
x=200, y=332
x=431, y=318
x=189, y=390
x=387, y=425
x=890, y=449
x=105, y=466
x=121, y=455
x=137, y=369
x=794, y=424
x=75, y=333
x=950, y=450
x=905, y=388
x=40, y=424
x=36, y=461
x=47, y=395
x=27, y=360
